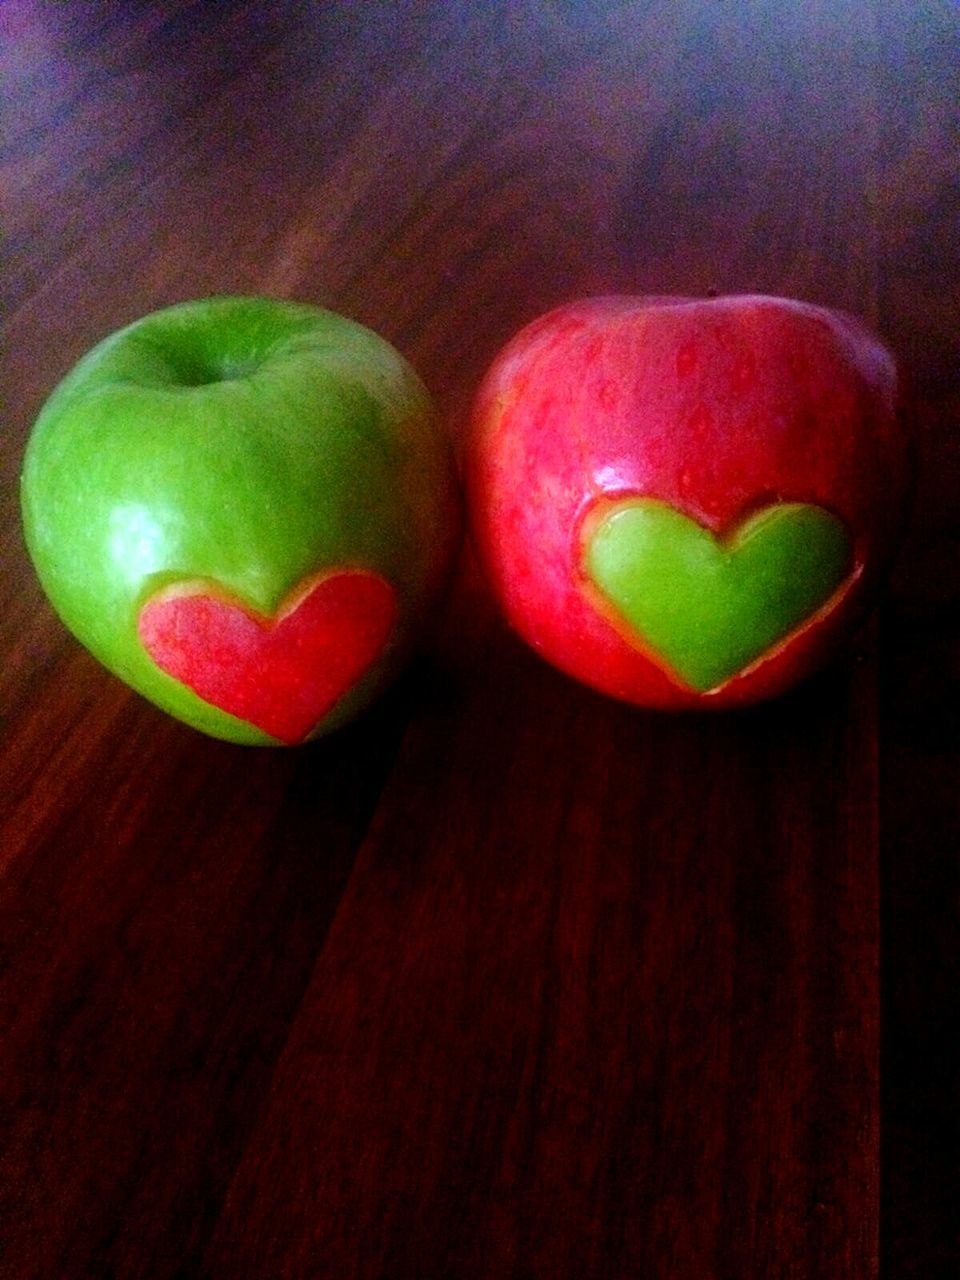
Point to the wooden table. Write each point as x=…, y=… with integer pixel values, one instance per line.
x=506, y=979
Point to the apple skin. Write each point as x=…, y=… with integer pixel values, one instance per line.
x=715, y=406
x=250, y=443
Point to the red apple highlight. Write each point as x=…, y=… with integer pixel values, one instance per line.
x=688, y=502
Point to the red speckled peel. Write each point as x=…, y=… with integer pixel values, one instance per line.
x=716, y=407
x=281, y=674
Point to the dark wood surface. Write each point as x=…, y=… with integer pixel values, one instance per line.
x=504, y=980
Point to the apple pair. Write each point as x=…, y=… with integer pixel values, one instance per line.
x=245, y=508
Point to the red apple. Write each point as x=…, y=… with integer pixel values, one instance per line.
x=688, y=502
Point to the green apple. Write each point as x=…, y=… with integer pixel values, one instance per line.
x=245, y=509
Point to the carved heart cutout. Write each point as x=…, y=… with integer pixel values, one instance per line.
x=281, y=674
x=710, y=606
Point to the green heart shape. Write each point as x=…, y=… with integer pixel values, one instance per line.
x=710, y=606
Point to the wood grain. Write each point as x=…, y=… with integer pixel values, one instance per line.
x=506, y=979
x=573, y=1039
x=920, y=849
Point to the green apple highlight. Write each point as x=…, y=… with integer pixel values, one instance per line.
x=238, y=504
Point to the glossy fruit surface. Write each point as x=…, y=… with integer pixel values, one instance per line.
x=711, y=606
x=688, y=502
x=239, y=451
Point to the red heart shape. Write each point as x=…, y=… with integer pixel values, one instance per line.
x=282, y=674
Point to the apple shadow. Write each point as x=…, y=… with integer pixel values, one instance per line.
x=920, y=968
